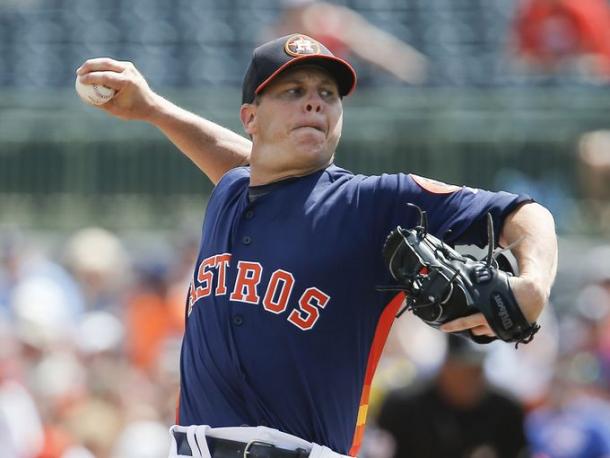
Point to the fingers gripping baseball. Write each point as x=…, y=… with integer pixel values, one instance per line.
x=101, y=64
x=133, y=99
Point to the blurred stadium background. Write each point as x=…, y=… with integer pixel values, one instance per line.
x=99, y=218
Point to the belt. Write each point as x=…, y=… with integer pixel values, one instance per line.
x=224, y=448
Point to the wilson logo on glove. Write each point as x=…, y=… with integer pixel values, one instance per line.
x=502, y=312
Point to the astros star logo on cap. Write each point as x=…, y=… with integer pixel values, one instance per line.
x=299, y=45
x=275, y=56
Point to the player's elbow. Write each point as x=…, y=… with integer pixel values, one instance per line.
x=535, y=213
x=543, y=215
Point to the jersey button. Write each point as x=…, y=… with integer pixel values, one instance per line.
x=246, y=240
x=238, y=320
x=249, y=214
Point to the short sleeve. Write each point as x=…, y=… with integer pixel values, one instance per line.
x=456, y=214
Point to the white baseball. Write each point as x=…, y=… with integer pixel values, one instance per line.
x=93, y=94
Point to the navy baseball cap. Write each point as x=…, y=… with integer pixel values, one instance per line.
x=273, y=57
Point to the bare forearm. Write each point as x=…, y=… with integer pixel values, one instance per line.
x=533, y=228
x=213, y=148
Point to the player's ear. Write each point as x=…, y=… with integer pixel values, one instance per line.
x=247, y=114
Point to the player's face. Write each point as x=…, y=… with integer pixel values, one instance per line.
x=300, y=115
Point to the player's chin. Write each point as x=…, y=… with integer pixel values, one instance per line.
x=311, y=146
x=315, y=143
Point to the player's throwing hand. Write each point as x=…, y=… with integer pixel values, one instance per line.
x=134, y=99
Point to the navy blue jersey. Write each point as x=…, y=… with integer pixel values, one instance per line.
x=284, y=325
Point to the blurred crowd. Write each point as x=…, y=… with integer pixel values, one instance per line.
x=89, y=345
x=191, y=43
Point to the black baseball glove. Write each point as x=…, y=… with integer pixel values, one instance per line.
x=442, y=284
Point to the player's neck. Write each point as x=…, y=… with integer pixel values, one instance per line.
x=260, y=177
x=265, y=169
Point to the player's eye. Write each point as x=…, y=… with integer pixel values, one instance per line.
x=294, y=91
x=328, y=93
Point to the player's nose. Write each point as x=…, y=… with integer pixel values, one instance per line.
x=314, y=106
x=313, y=102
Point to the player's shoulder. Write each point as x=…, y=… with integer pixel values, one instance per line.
x=346, y=180
x=234, y=176
x=433, y=186
x=338, y=174
x=414, y=184
x=398, y=180
x=392, y=181
x=231, y=183
x=343, y=180
x=334, y=173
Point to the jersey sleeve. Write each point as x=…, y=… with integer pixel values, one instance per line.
x=233, y=175
x=456, y=214
x=468, y=226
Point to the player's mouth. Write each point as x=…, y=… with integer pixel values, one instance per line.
x=316, y=126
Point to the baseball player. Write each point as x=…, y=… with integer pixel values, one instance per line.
x=284, y=322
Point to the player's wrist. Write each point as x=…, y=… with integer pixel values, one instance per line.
x=158, y=109
x=539, y=284
x=531, y=294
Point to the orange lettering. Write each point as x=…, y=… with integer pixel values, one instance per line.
x=205, y=277
x=287, y=282
x=222, y=261
x=248, y=278
x=308, y=315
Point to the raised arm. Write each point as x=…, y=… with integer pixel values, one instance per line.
x=532, y=228
x=213, y=148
